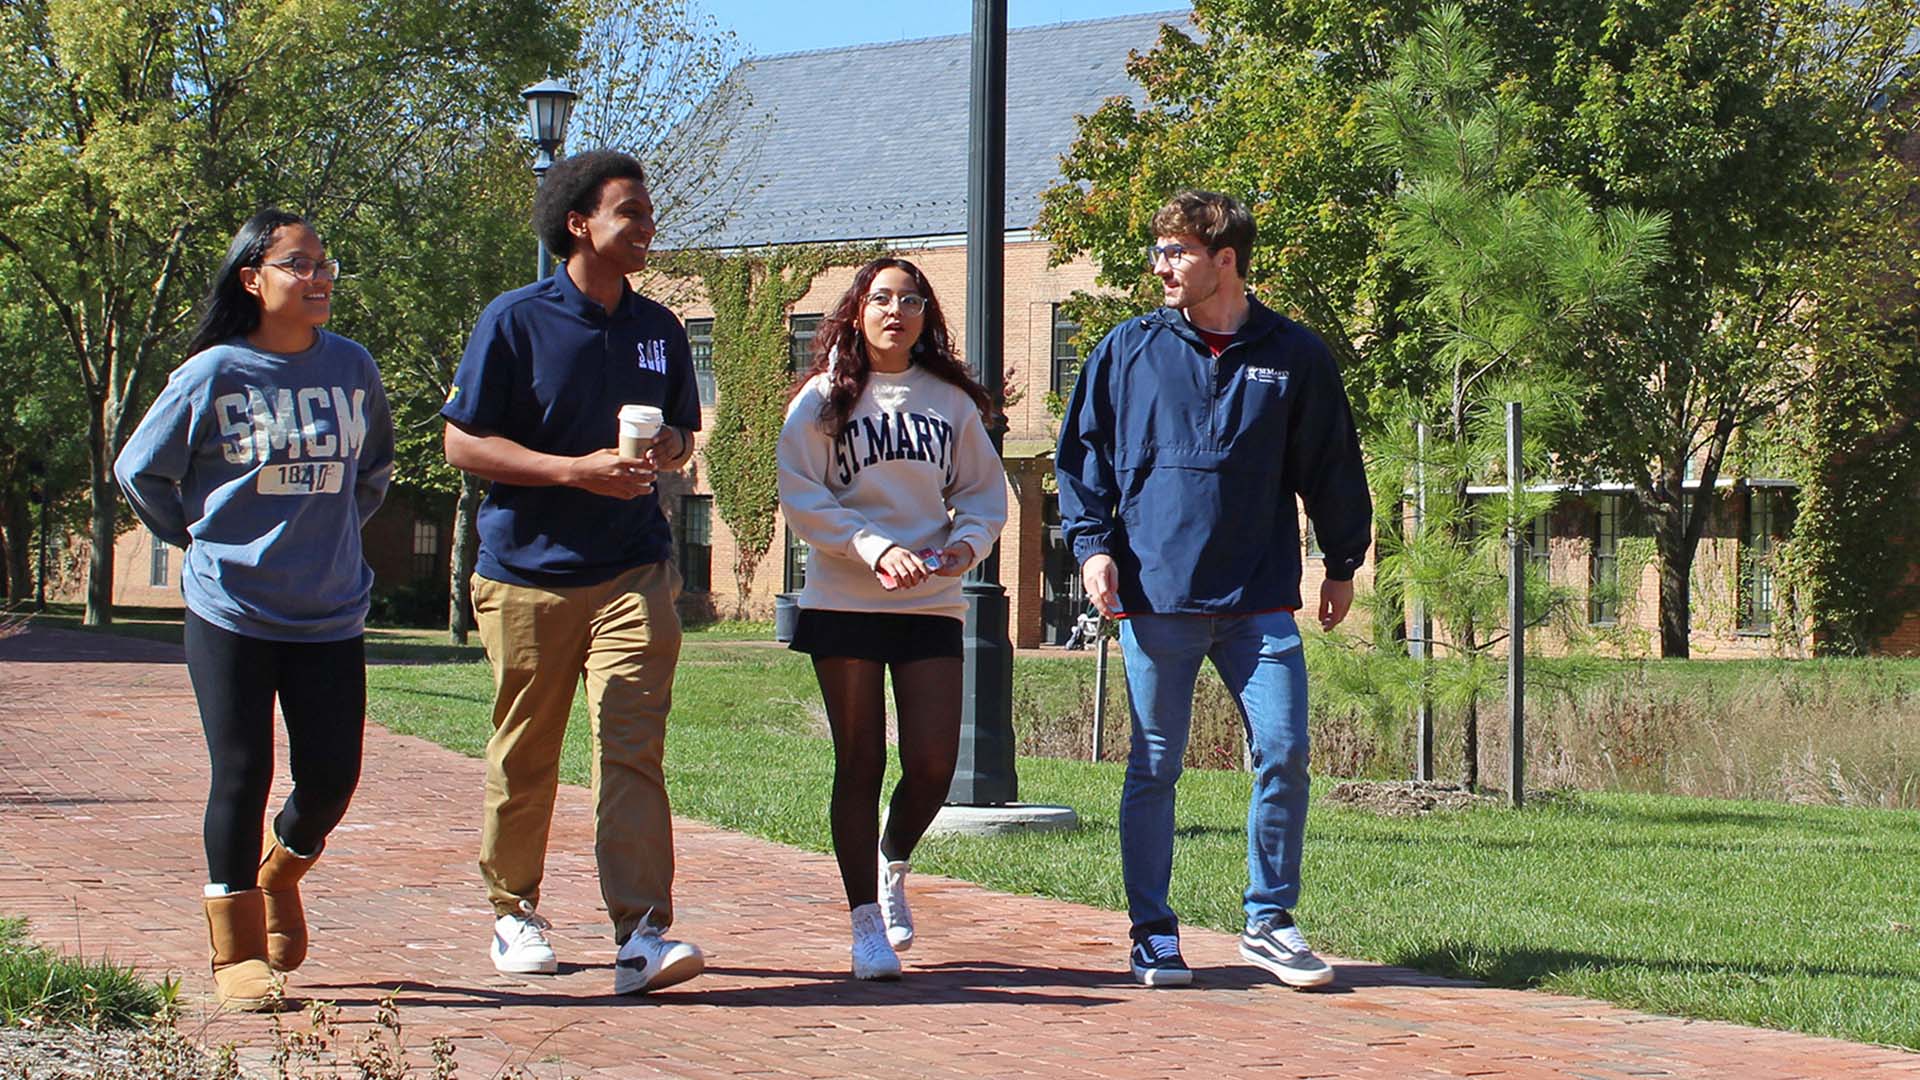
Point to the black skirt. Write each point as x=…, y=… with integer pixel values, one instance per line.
x=888, y=637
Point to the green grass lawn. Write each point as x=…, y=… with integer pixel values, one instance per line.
x=40, y=986
x=1781, y=916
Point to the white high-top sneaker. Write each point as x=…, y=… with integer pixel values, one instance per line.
x=873, y=958
x=893, y=903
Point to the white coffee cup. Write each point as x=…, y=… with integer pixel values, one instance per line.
x=638, y=425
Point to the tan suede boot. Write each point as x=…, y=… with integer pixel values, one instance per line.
x=280, y=874
x=237, y=929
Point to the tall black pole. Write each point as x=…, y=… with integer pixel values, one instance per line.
x=543, y=261
x=985, y=775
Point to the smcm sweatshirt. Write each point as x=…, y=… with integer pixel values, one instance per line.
x=264, y=466
x=914, y=468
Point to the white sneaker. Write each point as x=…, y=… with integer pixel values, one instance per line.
x=520, y=945
x=893, y=904
x=873, y=957
x=649, y=962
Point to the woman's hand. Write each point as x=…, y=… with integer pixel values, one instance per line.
x=899, y=568
x=956, y=559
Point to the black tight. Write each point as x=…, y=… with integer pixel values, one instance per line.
x=926, y=695
x=322, y=687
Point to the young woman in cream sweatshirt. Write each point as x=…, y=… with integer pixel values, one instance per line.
x=887, y=472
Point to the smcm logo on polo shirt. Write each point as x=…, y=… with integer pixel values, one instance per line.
x=653, y=355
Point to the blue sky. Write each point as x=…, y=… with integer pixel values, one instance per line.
x=766, y=27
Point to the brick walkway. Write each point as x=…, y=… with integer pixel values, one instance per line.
x=102, y=773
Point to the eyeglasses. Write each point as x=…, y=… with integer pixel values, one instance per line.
x=1173, y=253
x=909, y=303
x=305, y=268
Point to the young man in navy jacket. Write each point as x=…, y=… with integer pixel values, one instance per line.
x=575, y=580
x=1190, y=433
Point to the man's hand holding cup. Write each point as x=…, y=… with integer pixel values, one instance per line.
x=631, y=471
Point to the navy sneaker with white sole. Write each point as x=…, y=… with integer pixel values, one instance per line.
x=1157, y=961
x=1283, y=950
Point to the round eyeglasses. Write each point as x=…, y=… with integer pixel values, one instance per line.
x=908, y=303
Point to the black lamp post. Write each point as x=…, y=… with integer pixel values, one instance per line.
x=985, y=774
x=549, y=103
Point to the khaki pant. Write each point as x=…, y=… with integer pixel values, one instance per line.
x=623, y=637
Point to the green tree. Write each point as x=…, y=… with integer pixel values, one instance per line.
x=1738, y=121
x=1510, y=265
x=1855, y=441
x=1263, y=100
x=1741, y=123
x=40, y=409
x=135, y=137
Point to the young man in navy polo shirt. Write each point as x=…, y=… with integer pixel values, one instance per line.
x=574, y=577
x=1190, y=433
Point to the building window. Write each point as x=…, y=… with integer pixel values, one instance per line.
x=1066, y=360
x=1765, y=524
x=700, y=341
x=694, y=524
x=800, y=331
x=796, y=573
x=157, y=562
x=426, y=548
x=1539, y=553
x=1603, y=564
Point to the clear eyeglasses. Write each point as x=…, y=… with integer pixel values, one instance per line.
x=305, y=268
x=1173, y=253
x=909, y=303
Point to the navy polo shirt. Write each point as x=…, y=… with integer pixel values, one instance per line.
x=549, y=368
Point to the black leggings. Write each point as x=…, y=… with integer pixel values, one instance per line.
x=926, y=695
x=322, y=687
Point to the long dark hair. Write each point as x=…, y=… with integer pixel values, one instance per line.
x=840, y=348
x=229, y=311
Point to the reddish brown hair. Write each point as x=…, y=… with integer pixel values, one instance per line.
x=840, y=347
x=1218, y=219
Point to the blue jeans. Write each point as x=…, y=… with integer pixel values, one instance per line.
x=1259, y=659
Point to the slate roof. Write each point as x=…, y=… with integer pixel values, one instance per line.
x=870, y=141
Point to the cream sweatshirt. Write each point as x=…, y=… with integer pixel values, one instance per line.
x=914, y=468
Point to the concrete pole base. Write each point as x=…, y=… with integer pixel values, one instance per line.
x=1000, y=820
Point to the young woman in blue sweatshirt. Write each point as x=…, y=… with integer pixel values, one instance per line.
x=263, y=456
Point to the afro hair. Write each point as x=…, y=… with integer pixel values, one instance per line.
x=572, y=186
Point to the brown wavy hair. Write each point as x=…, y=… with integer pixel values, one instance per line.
x=839, y=345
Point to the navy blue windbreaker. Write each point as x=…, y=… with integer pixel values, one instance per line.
x=1184, y=467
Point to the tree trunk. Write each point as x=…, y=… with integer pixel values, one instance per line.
x=100, y=562
x=18, y=526
x=1668, y=511
x=1470, y=755
x=106, y=506
x=745, y=565
x=1676, y=635
x=460, y=560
